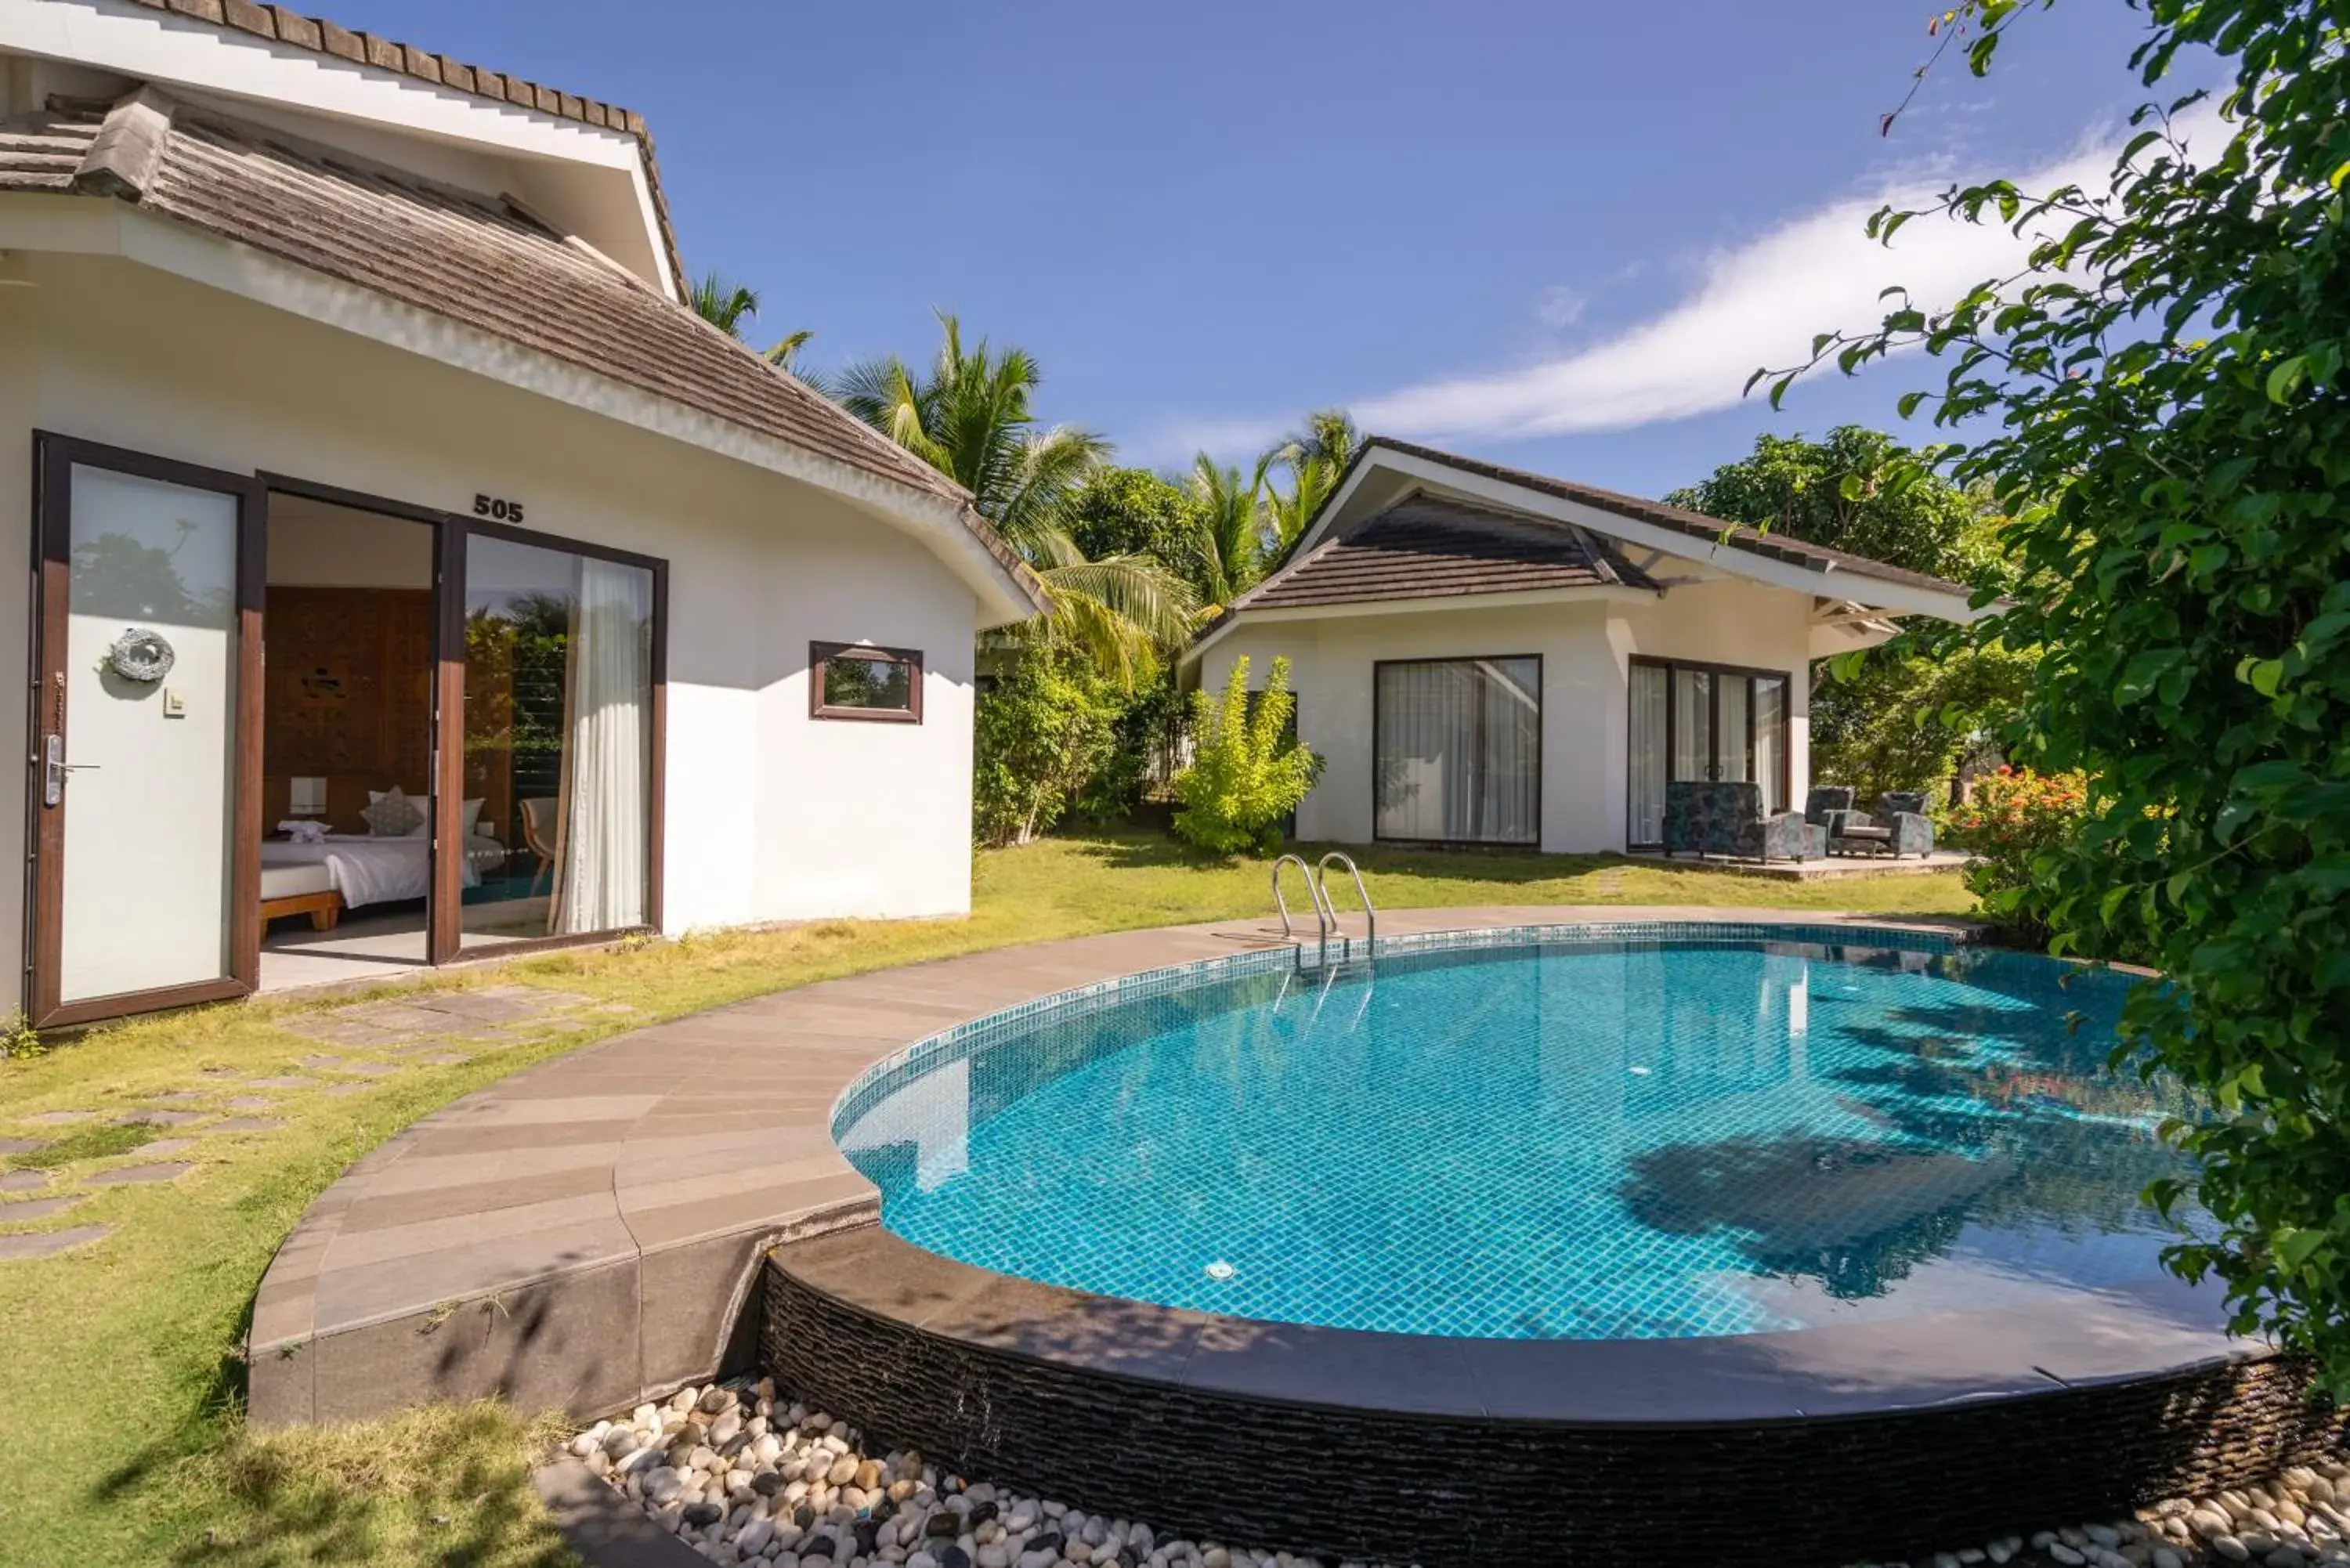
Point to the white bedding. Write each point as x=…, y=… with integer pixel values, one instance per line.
x=381, y=870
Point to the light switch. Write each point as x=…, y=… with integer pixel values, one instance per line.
x=175, y=703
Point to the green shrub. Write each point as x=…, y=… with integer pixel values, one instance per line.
x=1041, y=732
x=1247, y=772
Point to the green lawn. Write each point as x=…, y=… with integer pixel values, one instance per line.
x=122, y=1384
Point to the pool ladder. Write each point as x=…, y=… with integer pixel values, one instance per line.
x=1326, y=913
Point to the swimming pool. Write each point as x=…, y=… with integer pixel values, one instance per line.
x=1609, y=1134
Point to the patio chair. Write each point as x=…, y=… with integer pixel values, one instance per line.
x=1899, y=826
x=538, y=834
x=1825, y=811
x=1726, y=817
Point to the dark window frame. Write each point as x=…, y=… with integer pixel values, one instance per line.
x=1541, y=720
x=820, y=654
x=1751, y=673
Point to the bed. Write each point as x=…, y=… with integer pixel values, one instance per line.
x=349, y=871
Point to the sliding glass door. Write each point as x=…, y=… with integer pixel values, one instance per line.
x=558, y=648
x=1702, y=722
x=1457, y=749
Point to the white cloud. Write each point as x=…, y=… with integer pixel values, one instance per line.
x=1561, y=308
x=1753, y=303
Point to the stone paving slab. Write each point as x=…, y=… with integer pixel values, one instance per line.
x=23, y=1180
x=58, y=1118
x=244, y=1125
x=588, y=1228
x=168, y=1146
x=136, y=1175
x=160, y=1119
x=249, y=1102
x=38, y=1209
x=47, y=1243
x=21, y=1145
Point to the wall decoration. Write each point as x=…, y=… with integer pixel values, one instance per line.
x=141, y=655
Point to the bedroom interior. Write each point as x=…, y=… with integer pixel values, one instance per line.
x=557, y=695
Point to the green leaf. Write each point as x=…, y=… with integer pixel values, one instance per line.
x=2287, y=375
x=2265, y=675
x=1850, y=487
x=2295, y=1247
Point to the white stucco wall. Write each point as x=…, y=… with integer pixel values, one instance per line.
x=769, y=815
x=1586, y=647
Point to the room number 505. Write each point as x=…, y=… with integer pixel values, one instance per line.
x=492, y=507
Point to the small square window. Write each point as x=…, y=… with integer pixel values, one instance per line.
x=851, y=680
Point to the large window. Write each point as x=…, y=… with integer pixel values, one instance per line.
x=559, y=655
x=1458, y=749
x=1702, y=722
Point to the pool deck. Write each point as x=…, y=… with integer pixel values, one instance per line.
x=586, y=1233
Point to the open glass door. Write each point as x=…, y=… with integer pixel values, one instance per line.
x=146, y=796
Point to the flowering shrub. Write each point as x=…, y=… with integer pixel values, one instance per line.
x=2011, y=818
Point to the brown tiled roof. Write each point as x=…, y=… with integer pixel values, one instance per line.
x=1694, y=525
x=1425, y=548
x=472, y=258
x=278, y=24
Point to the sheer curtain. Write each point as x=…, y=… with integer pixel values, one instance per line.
x=1459, y=750
x=1648, y=748
x=601, y=870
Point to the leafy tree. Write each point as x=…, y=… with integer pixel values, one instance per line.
x=1041, y=732
x=1903, y=715
x=1313, y=459
x=970, y=418
x=1248, y=771
x=2157, y=394
x=1130, y=512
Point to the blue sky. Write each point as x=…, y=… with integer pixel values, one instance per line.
x=1553, y=235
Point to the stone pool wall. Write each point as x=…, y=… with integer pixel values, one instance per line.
x=1441, y=1491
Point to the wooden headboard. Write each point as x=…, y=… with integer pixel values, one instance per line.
x=349, y=697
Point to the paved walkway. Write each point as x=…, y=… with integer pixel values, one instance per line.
x=48, y=1176
x=584, y=1234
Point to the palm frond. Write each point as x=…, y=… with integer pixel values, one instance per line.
x=723, y=303
x=782, y=354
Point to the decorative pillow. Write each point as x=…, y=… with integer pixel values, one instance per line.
x=391, y=815
x=473, y=817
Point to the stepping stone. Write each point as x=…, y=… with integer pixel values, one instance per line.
x=38, y=1209
x=42, y=1243
x=59, y=1119
x=158, y=1119
x=287, y=1082
x=176, y=1097
x=242, y=1125
x=138, y=1175
x=21, y=1145
x=250, y=1102
x=163, y=1146
x=23, y=1180
x=369, y=1069
x=343, y=1032
x=442, y=1060
x=348, y=1088
x=316, y=1063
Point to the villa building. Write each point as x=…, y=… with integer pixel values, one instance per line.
x=413, y=572
x=1485, y=656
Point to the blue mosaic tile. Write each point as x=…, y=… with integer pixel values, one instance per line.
x=1639, y=1130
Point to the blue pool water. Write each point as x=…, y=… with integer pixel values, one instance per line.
x=1594, y=1139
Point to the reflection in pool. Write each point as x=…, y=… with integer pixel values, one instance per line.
x=1601, y=1138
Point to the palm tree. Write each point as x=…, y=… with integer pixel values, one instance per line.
x=723, y=303
x=970, y=418
x=1227, y=554
x=727, y=305
x=1314, y=457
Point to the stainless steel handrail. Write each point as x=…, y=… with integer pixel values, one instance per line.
x=1324, y=917
x=1370, y=915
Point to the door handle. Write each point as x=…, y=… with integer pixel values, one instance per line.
x=53, y=769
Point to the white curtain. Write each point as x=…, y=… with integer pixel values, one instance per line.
x=1457, y=754
x=602, y=870
x=1647, y=785
x=1770, y=738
